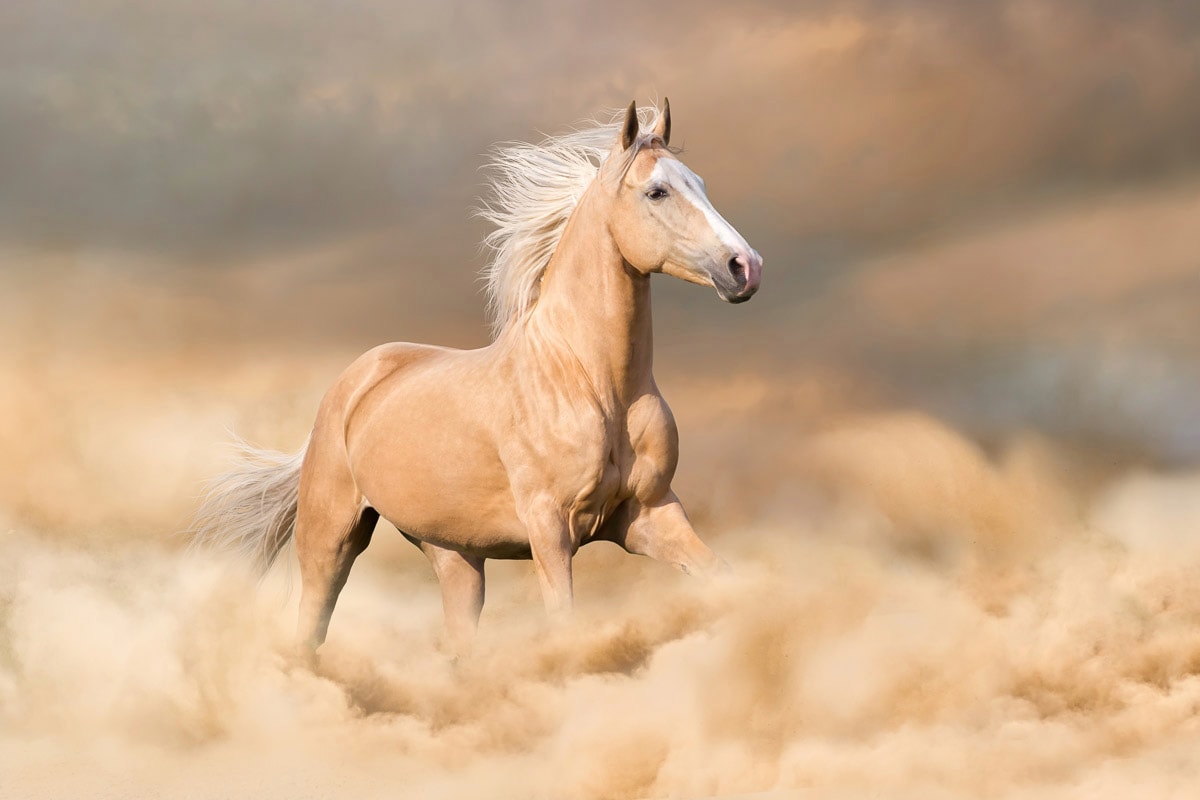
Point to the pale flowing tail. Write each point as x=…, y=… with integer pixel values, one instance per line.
x=251, y=509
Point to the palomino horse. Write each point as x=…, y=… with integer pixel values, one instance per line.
x=552, y=436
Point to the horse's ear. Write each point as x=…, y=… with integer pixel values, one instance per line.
x=662, y=128
x=629, y=131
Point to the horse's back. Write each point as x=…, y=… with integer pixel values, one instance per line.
x=362, y=377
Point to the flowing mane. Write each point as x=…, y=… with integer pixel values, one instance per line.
x=532, y=190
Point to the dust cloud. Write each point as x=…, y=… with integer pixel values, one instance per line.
x=911, y=615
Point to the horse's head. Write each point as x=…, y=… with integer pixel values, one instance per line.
x=662, y=220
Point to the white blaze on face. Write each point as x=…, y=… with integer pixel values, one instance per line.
x=687, y=184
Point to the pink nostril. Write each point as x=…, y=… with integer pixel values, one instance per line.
x=737, y=268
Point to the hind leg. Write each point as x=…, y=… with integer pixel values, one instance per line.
x=461, y=577
x=328, y=539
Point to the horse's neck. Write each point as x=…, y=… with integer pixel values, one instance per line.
x=597, y=305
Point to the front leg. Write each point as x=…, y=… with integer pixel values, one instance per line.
x=662, y=531
x=552, y=549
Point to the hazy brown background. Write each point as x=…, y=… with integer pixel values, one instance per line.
x=951, y=446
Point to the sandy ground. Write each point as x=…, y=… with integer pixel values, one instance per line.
x=910, y=616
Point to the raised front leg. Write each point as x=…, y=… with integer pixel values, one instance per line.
x=662, y=531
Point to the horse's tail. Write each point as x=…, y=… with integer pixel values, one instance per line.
x=251, y=508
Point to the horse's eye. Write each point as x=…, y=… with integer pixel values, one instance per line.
x=657, y=193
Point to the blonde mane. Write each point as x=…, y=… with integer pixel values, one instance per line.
x=533, y=188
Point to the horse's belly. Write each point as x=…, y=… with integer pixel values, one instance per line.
x=441, y=501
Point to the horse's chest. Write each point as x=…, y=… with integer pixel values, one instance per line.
x=637, y=459
x=587, y=461
x=595, y=501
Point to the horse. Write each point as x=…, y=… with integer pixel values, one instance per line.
x=552, y=436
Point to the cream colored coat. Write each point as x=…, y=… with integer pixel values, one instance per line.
x=553, y=436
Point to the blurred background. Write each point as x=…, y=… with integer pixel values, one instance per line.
x=978, y=334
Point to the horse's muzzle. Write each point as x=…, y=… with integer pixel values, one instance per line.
x=743, y=274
